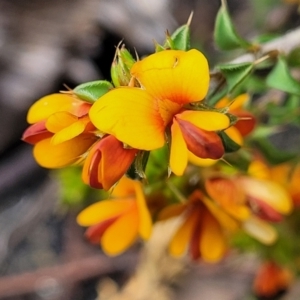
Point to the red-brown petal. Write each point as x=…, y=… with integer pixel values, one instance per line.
x=107, y=162
x=246, y=124
x=202, y=143
x=36, y=132
x=264, y=211
x=95, y=232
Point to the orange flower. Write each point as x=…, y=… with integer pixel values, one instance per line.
x=271, y=280
x=251, y=201
x=201, y=231
x=117, y=223
x=61, y=130
x=106, y=163
x=140, y=117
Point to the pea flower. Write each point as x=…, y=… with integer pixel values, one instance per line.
x=141, y=117
x=253, y=202
x=117, y=223
x=61, y=130
x=201, y=232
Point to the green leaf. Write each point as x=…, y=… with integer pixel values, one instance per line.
x=281, y=79
x=181, y=38
x=93, y=90
x=228, y=143
x=235, y=74
x=225, y=34
x=271, y=153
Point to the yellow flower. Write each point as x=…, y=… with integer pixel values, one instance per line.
x=61, y=130
x=201, y=233
x=140, y=117
x=117, y=223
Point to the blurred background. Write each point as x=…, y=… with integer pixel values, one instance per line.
x=45, y=45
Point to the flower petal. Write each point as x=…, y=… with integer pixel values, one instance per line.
x=202, y=143
x=207, y=120
x=179, y=76
x=106, y=163
x=132, y=116
x=224, y=219
x=235, y=135
x=212, y=240
x=270, y=192
x=183, y=235
x=229, y=196
x=179, y=151
x=121, y=234
x=50, y=104
x=201, y=162
x=103, y=210
x=57, y=156
x=35, y=133
x=95, y=232
x=171, y=211
x=260, y=230
x=145, y=222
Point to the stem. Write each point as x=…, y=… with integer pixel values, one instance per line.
x=284, y=44
x=176, y=192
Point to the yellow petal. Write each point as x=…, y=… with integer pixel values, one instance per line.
x=179, y=76
x=237, y=103
x=121, y=234
x=60, y=120
x=201, y=162
x=171, y=211
x=132, y=116
x=179, y=151
x=183, y=235
x=267, y=191
x=124, y=188
x=235, y=135
x=68, y=133
x=103, y=210
x=260, y=230
x=50, y=104
x=259, y=169
x=224, y=219
x=57, y=156
x=207, y=120
x=229, y=196
x=212, y=241
x=145, y=221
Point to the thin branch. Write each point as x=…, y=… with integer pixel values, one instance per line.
x=284, y=44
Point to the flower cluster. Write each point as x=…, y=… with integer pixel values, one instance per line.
x=116, y=131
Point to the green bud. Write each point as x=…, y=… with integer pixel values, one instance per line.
x=120, y=69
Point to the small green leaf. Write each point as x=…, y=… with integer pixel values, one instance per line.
x=181, y=38
x=235, y=74
x=225, y=34
x=93, y=90
x=228, y=143
x=281, y=79
x=271, y=153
